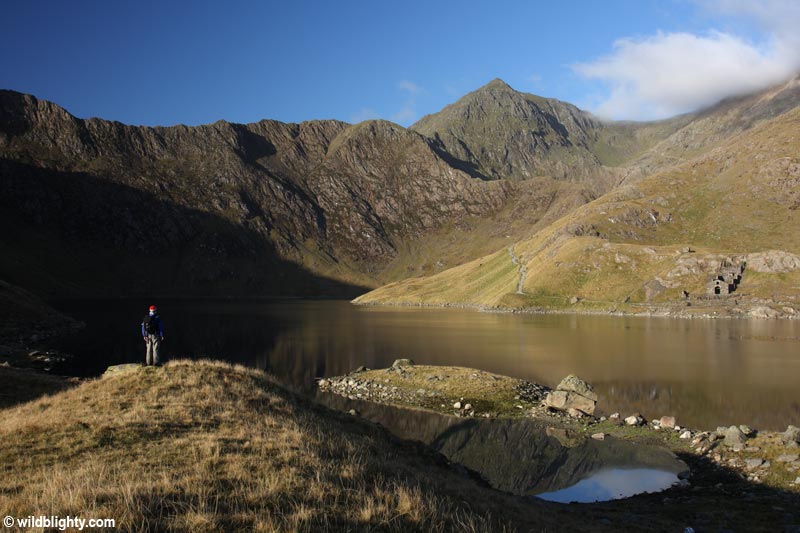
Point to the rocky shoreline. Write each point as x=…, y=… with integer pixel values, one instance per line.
x=762, y=311
x=761, y=457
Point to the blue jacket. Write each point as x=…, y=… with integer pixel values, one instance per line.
x=159, y=326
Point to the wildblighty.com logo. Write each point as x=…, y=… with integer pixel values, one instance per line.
x=62, y=523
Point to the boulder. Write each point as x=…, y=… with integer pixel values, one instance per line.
x=792, y=434
x=573, y=383
x=561, y=400
x=599, y=436
x=116, y=369
x=402, y=362
x=667, y=422
x=635, y=420
x=734, y=437
x=572, y=393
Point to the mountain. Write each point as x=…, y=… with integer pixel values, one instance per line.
x=326, y=208
x=654, y=245
x=318, y=208
x=501, y=133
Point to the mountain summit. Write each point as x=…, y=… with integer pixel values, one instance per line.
x=508, y=134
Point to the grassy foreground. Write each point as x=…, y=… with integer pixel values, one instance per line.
x=202, y=446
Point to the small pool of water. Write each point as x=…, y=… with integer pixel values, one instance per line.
x=613, y=484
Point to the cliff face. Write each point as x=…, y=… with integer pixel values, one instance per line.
x=188, y=204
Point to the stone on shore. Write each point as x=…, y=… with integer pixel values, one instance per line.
x=747, y=431
x=564, y=400
x=573, y=383
x=667, y=422
x=792, y=434
x=572, y=393
x=635, y=420
x=734, y=437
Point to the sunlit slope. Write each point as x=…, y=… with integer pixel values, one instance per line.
x=646, y=243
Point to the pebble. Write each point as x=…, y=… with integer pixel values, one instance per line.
x=599, y=436
x=797, y=480
x=457, y=405
x=468, y=407
x=686, y=435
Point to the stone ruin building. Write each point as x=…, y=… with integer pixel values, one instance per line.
x=727, y=278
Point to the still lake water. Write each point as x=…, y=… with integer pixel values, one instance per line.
x=705, y=372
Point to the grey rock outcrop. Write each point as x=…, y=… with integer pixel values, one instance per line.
x=734, y=437
x=773, y=262
x=572, y=393
x=791, y=435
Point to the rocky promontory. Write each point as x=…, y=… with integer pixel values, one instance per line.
x=762, y=457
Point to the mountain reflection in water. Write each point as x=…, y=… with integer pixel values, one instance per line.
x=518, y=456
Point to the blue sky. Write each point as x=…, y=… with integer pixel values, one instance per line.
x=163, y=63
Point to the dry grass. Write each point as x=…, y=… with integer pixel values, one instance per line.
x=210, y=447
x=487, y=392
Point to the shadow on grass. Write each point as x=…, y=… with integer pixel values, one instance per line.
x=21, y=385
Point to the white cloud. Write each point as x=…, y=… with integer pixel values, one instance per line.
x=409, y=86
x=670, y=73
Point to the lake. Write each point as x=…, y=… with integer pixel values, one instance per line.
x=705, y=372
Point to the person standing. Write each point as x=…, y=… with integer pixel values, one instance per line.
x=153, y=334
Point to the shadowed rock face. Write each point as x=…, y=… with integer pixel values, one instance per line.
x=322, y=196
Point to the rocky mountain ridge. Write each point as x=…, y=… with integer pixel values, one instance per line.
x=310, y=209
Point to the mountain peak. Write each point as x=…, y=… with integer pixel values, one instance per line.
x=496, y=83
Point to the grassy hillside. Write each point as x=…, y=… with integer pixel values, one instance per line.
x=640, y=246
x=210, y=447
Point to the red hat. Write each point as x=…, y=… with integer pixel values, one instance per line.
x=152, y=307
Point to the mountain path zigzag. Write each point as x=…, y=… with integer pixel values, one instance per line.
x=523, y=271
